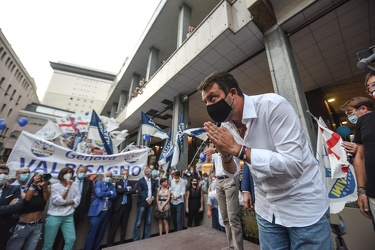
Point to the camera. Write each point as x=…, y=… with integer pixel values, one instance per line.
x=46, y=177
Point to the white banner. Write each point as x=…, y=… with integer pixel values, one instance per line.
x=43, y=156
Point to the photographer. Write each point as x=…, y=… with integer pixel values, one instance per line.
x=28, y=230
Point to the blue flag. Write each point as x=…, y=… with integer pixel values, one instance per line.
x=77, y=139
x=197, y=132
x=166, y=149
x=150, y=128
x=98, y=132
x=177, y=148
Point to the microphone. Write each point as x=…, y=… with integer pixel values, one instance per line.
x=350, y=155
x=366, y=57
x=362, y=64
x=345, y=131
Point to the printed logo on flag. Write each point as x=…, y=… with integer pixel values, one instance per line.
x=343, y=186
x=132, y=157
x=48, y=134
x=42, y=149
x=99, y=143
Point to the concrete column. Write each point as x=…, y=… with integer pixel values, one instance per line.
x=152, y=64
x=122, y=100
x=179, y=108
x=114, y=109
x=286, y=80
x=133, y=84
x=184, y=20
x=140, y=136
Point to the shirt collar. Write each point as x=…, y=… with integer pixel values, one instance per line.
x=248, y=111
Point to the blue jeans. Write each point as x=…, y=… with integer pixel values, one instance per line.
x=147, y=211
x=66, y=224
x=25, y=237
x=313, y=237
x=215, y=219
x=177, y=216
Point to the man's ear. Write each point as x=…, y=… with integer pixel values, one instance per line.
x=365, y=108
x=233, y=91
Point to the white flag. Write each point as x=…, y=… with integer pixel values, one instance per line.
x=49, y=132
x=110, y=124
x=118, y=137
x=338, y=174
x=66, y=124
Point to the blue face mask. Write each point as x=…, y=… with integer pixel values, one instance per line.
x=353, y=118
x=24, y=177
x=107, y=179
x=80, y=176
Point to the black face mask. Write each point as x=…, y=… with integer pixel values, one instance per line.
x=219, y=111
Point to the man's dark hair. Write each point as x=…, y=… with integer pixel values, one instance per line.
x=80, y=168
x=357, y=102
x=63, y=171
x=223, y=79
x=177, y=173
x=4, y=167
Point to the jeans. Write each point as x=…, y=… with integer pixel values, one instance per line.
x=147, y=211
x=66, y=224
x=177, y=216
x=215, y=219
x=313, y=237
x=25, y=237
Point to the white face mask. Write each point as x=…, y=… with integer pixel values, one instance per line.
x=107, y=179
x=67, y=176
x=3, y=178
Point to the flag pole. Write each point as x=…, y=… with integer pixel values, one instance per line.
x=314, y=117
x=197, y=152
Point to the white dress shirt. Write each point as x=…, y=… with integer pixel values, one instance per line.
x=219, y=170
x=149, y=191
x=178, y=189
x=288, y=181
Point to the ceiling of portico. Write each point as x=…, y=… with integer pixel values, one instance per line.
x=324, y=50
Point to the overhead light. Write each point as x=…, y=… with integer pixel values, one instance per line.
x=344, y=122
x=330, y=99
x=184, y=98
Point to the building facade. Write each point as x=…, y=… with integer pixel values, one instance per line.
x=303, y=50
x=17, y=90
x=76, y=88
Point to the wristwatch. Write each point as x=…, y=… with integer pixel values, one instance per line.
x=361, y=190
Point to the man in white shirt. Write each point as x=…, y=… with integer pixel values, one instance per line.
x=264, y=131
x=178, y=189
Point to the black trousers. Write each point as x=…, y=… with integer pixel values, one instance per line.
x=119, y=218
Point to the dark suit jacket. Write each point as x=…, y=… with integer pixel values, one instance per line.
x=143, y=191
x=121, y=190
x=101, y=192
x=84, y=205
x=7, y=211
